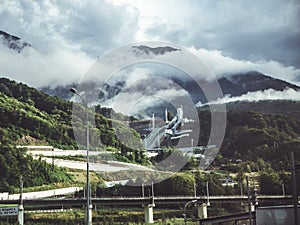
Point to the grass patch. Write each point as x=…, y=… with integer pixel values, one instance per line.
x=8, y=205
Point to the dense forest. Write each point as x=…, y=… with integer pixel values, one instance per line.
x=254, y=135
x=261, y=141
x=14, y=163
x=27, y=112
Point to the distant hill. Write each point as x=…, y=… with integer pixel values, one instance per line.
x=279, y=107
x=286, y=108
x=233, y=85
x=238, y=84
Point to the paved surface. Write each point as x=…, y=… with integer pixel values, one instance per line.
x=167, y=200
x=59, y=152
x=110, y=166
x=46, y=194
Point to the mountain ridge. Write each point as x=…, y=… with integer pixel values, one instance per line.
x=232, y=85
x=272, y=107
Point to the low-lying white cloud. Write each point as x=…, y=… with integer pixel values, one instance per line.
x=270, y=94
x=144, y=91
x=58, y=67
x=89, y=26
x=221, y=65
x=133, y=103
x=64, y=66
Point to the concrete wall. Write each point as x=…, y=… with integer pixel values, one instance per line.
x=276, y=215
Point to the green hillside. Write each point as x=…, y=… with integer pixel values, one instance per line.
x=262, y=141
x=27, y=112
x=279, y=107
x=251, y=136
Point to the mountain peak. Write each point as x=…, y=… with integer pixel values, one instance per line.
x=157, y=50
x=13, y=42
x=241, y=83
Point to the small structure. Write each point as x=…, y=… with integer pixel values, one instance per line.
x=228, y=182
x=37, y=147
x=4, y=196
x=109, y=184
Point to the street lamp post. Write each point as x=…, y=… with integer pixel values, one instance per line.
x=185, y=206
x=89, y=205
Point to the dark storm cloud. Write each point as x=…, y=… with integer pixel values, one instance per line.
x=266, y=46
x=248, y=30
x=100, y=26
x=66, y=36
x=89, y=26
x=230, y=35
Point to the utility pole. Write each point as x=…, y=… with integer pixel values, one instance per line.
x=52, y=165
x=21, y=208
x=242, y=189
x=249, y=201
x=152, y=190
x=294, y=185
x=143, y=191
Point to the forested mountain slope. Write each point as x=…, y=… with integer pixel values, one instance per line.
x=27, y=112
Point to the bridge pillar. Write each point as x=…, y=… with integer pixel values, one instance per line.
x=202, y=210
x=148, y=210
x=21, y=215
x=90, y=212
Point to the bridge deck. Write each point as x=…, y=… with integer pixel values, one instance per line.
x=138, y=201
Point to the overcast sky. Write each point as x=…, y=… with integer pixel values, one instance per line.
x=230, y=35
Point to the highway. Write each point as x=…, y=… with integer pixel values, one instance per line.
x=33, y=204
x=107, y=166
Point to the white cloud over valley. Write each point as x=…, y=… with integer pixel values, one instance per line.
x=270, y=94
x=221, y=65
x=230, y=36
x=59, y=67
